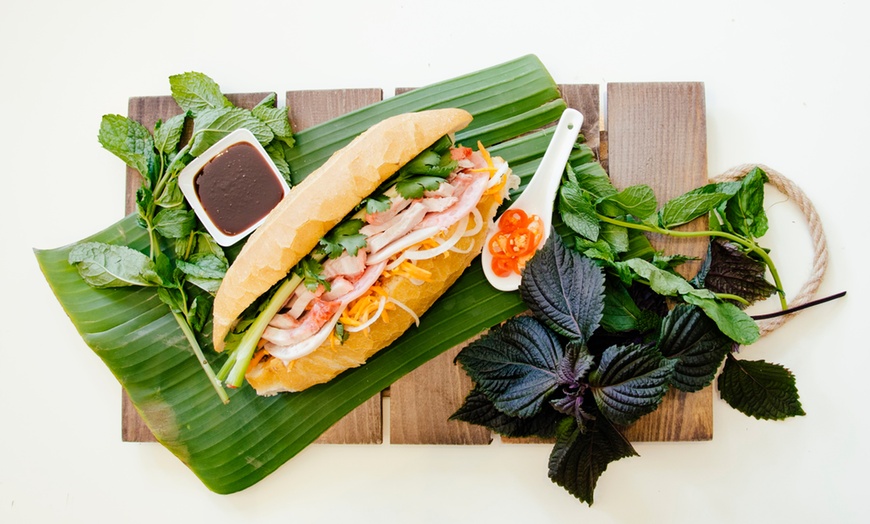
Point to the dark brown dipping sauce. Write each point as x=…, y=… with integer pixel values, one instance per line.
x=237, y=188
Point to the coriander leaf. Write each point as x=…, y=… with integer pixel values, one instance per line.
x=730, y=270
x=745, y=212
x=196, y=92
x=691, y=337
x=131, y=142
x=311, y=272
x=564, y=289
x=174, y=223
x=638, y=201
x=630, y=382
x=276, y=118
x=167, y=134
x=479, y=410
x=695, y=203
x=579, y=458
x=759, y=389
x=108, y=265
x=344, y=237
x=210, y=125
x=416, y=186
x=515, y=365
x=377, y=203
x=577, y=211
x=730, y=319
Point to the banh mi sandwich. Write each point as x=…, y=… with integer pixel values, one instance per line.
x=353, y=255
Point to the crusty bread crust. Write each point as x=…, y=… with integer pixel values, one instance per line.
x=273, y=376
x=316, y=205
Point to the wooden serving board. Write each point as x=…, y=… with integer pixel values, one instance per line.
x=655, y=133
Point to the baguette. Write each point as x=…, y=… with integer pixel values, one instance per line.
x=323, y=199
x=326, y=362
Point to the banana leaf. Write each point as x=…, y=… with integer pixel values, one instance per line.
x=231, y=447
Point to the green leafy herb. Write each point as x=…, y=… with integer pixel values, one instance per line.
x=107, y=266
x=690, y=337
x=759, y=389
x=186, y=281
x=311, y=271
x=731, y=271
x=344, y=237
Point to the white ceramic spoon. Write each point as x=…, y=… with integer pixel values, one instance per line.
x=540, y=193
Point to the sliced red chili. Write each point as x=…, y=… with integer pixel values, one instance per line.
x=503, y=266
x=512, y=219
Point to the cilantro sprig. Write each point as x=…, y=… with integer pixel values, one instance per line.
x=183, y=263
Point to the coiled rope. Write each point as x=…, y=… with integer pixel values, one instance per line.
x=817, y=233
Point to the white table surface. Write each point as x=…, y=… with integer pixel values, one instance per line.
x=786, y=85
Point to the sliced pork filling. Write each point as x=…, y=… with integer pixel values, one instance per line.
x=308, y=318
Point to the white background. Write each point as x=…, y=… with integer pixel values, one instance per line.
x=786, y=85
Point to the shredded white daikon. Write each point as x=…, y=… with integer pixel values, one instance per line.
x=406, y=308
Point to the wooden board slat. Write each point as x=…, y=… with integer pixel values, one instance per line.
x=147, y=110
x=657, y=135
x=363, y=425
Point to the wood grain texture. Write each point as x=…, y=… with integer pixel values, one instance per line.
x=147, y=110
x=657, y=135
x=422, y=401
x=363, y=425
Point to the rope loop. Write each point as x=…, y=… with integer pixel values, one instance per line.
x=817, y=233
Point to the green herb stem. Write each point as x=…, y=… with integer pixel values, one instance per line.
x=736, y=298
x=721, y=234
x=191, y=338
x=242, y=355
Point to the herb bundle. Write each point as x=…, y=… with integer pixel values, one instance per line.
x=613, y=326
x=184, y=262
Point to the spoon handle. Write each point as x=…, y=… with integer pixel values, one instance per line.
x=556, y=155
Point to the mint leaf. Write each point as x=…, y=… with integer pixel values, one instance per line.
x=276, y=118
x=515, y=365
x=692, y=338
x=730, y=319
x=196, y=92
x=174, y=223
x=204, y=270
x=732, y=271
x=620, y=311
x=577, y=211
x=109, y=266
x=638, y=201
x=759, y=389
x=580, y=457
x=745, y=212
x=695, y=203
x=210, y=125
x=479, y=410
x=564, y=289
x=277, y=151
x=630, y=382
x=167, y=134
x=661, y=281
x=131, y=142
x=592, y=179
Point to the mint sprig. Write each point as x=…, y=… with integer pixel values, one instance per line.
x=184, y=263
x=600, y=349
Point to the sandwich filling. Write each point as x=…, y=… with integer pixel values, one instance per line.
x=427, y=210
